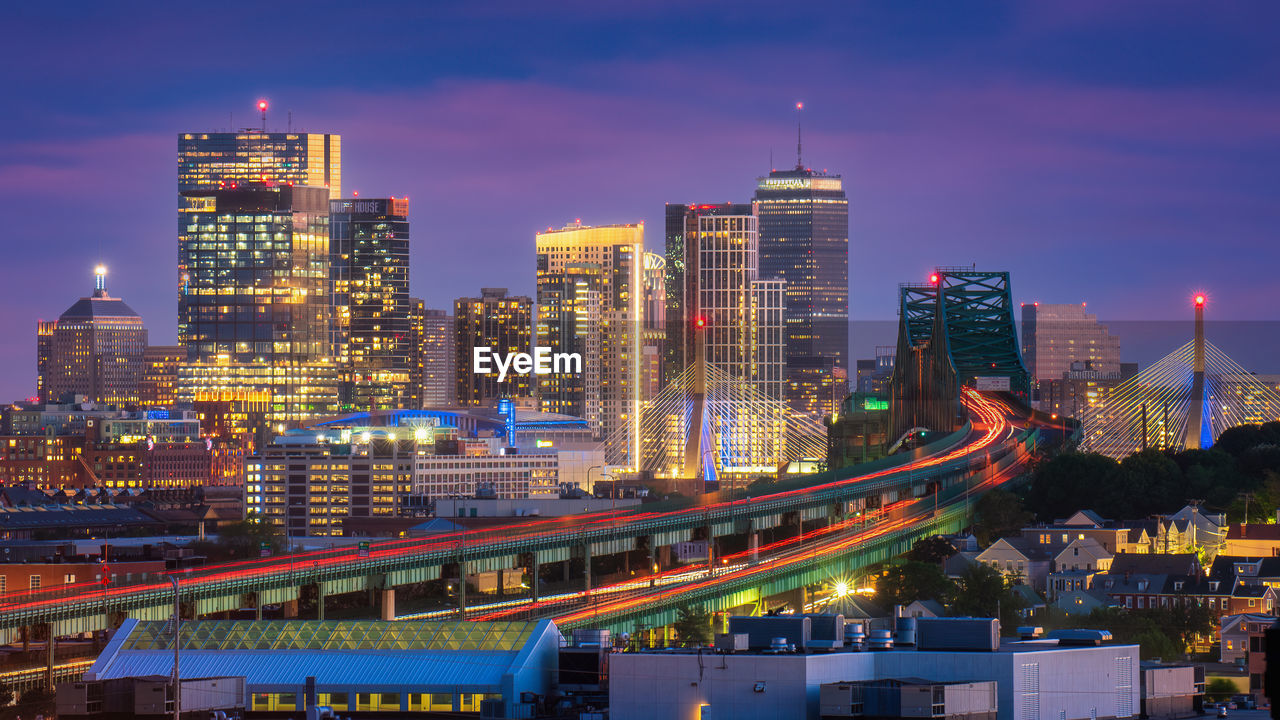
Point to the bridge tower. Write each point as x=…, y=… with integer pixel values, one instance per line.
x=1195, y=409
x=956, y=330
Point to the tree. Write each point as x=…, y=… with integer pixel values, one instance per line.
x=933, y=550
x=692, y=626
x=904, y=583
x=1000, y=513
x=1071, y=482
x=1219, y=689
x=979, y=591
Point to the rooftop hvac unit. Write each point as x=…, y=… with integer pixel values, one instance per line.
x=974, y=634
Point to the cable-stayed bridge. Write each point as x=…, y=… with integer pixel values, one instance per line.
x=1185, y=400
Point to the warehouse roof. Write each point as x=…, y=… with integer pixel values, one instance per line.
x=281, y=654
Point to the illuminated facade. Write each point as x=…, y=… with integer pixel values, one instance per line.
x=570, y=320
x=435, y=345
x=225, y=160
x=816, y=385
x=1056, y=336
x=254, y=271
x=596, y=272
x=681, y=279
x=297, y=391
x=498, y=321
x=804, y=240
x=311, y=488
x=653, y=326
x=369, y=269
x=94, y=349
x=160, y=374
x=718, y=285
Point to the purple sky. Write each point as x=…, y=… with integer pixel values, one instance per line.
x=1120, y=154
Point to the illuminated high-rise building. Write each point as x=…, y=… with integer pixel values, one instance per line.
x=570, y=320
x=590, y=295
x=369, y=270
x=653, y=326
x=254, y=307
x=716, y=282
x=230, y=160
x=502, y=323
x=433, y=333
x=94, y=349
x=804, y=240
x=681, y=284
x=253, y=265
x=160, y=374
x=1054, y=337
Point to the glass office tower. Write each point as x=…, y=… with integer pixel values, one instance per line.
x=369, y=271
x=590, y=293
x=804, y=240
x=229, y=160
x=253, y=267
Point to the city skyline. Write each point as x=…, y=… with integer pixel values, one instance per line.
x=1028, y=138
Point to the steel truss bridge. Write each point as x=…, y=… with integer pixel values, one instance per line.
x=953, y=330
x=957, y=329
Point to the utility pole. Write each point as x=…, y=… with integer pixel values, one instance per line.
x=177, y=642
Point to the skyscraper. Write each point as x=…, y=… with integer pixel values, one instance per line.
x=653, y=326
x=437, y=380
x=681, y=279
x=254, y=272
x=804, y=240
x=94, y=349
x=1055, y=336
x=570, y=320
x=590, y=290
x=505, y=325
x=369, y=271
x=254, y=308
x=713, y=278
x=229, y=160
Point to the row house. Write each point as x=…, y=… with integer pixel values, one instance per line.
x=1076, y=565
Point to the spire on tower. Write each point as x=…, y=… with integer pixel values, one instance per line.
x=799, y=162
x=100, y=281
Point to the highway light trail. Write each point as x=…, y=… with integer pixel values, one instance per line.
x=990, y=422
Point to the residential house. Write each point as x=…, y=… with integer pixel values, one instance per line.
x=1250, y=570
x=1075, y=566
x=1017, y=558
x=925, y=609
x=1252, y=540
x=1087, y=524
x=1148, y=591
x=1241, y=641
x=1083, y=602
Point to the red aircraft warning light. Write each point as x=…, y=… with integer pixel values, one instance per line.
x=699, y=322
x=262, y=105
x=933, y=279
x=1199, y=300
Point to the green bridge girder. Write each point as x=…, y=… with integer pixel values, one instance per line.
x=952, y=330
x=91, y=611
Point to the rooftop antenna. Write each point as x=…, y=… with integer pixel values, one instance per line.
x=290, y=125
x=262, y=107
x=799, y=162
